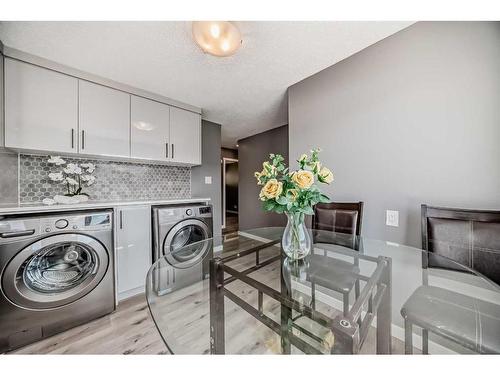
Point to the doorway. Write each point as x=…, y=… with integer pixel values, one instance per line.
x=230, y=180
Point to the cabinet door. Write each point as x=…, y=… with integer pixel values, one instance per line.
x=150, y=123
x=133, y=248
x=185, y=136
x=41, y=108
x=104, y=120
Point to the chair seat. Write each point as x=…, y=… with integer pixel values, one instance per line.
x=468, y=321
x=334, y=274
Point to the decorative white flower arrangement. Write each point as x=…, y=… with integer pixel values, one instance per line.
x=73, y=175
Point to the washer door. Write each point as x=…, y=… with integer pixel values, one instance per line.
x=184, y=233
x=55, y=271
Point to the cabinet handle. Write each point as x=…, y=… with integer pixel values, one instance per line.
x=83, y=139
x=121, y=219
x=172, y=150
x=72, y=138
x=166, y=150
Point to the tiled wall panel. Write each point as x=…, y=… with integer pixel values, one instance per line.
x=115, y=180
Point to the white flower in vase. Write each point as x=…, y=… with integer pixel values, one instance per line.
x=74, y=176
x=56, y=160
x=56, y=177
x=72, y=169
x=88, y=179
x=71, y=181
x=89, y=167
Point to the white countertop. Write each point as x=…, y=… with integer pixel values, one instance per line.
x=28, y=208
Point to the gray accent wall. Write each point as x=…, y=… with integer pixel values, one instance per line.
x=252, y=152
x=211, y=156
x=413, y=119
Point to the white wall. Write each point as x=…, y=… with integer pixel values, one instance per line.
x=412, y=119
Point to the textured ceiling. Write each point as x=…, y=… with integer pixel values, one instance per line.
x=246, y=93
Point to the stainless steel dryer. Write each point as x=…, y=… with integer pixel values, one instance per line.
x=174, y=228
x=177, y=226
x=56, y=272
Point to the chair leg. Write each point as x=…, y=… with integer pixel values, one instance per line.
x=408, y=337
x=345, y=300
x=425, y=341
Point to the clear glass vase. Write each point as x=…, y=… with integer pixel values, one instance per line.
x=296, y=241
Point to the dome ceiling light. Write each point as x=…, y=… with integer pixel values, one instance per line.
x=218, y=38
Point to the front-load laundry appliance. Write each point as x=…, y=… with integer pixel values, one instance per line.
x=179, y=237
x=56, y=272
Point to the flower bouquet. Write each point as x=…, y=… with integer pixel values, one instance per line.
x=294, y=193
x=75, y=176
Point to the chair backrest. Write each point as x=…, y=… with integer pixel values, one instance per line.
x=339, y=217
x=469, y=237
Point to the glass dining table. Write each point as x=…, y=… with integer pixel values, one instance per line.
x=239, y=294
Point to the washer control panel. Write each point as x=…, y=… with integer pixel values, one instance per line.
x=91, y=221
x=15, y=229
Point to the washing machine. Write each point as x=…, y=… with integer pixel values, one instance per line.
x=56, y=272
x=180, y=235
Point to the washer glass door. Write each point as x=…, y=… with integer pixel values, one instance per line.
x=58, y=267
x=55, y=271
x=185, y=233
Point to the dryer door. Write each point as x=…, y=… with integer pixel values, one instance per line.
x=184, y=233
x=55, y=271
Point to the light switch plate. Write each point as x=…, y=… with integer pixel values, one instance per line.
x=208, y=180
x=392, y=218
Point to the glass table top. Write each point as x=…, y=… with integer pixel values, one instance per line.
x=240, y=295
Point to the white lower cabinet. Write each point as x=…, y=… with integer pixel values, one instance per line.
x=133, y=249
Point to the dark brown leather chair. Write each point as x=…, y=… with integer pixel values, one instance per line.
x=338, y=217
x=468, y=237
x=344, y=219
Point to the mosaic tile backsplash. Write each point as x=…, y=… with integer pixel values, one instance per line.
x=114, y=180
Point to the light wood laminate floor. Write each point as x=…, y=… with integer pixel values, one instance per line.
x=131, y=330
x=128, y=330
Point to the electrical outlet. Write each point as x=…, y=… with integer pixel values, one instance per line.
x=208, y=180
x=392, y=218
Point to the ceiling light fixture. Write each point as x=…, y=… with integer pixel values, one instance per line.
x=218, y=38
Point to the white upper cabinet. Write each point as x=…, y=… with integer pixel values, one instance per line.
x=52, y=112
x=185, y=136
x=149, y=132
x=41, y=108
x=104, y=115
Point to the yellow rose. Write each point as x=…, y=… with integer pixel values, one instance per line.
x=325, y=175
x=293, y=193
x=272, y=189
x=303, y=179
x=302, y=158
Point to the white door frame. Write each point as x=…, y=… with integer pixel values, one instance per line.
x=224, y=162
